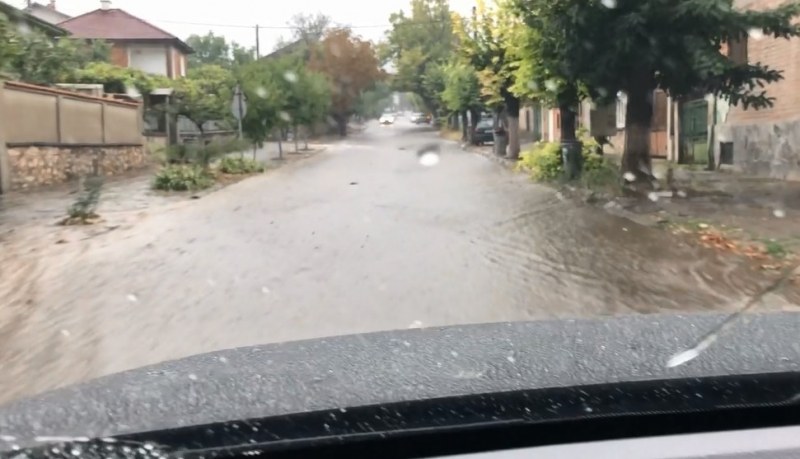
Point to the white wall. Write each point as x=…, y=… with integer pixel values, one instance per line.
x=148, y=58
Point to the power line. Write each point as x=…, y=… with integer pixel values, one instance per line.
x=242, y=26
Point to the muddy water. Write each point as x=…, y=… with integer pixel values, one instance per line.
x=360, y=238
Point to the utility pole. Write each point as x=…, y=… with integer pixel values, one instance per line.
x=258, y=45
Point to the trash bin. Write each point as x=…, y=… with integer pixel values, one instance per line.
x=572, y=158
x=500, y=142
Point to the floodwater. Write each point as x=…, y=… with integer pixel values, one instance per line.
x=359, y=238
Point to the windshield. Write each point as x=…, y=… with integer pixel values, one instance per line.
x=179, y=178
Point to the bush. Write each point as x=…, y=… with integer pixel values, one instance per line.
x=544, y=163
x=201, y=154
x=84, y=208
x=234, y=165
x=182, y=177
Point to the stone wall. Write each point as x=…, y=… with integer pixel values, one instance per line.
x=764, y=149
x=35, y=166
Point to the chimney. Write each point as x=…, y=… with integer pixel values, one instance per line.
x=105, y=4
x=52, y=5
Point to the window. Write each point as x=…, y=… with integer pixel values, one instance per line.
x=737, y=50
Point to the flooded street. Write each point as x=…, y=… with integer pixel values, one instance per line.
x=359, y=238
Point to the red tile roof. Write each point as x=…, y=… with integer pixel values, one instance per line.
x=116, y=24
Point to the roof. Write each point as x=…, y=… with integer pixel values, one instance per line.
x=17, y=15
x=35, y=7
x=116, y=24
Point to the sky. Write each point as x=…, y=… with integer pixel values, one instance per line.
x=236, y=19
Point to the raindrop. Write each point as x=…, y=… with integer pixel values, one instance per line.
x=454, y=353
x=132, y=298
x=343, y=410
x=261, y=92
x=653, y=196
x=290, y=76
x=406, y=344
x=629, y=176
x=551, y=84
x=148, y=446
x=779, y=213
x=223, y=360
x=264, y=290
x=415, y=324
x=609, y=3
x=756, y=33
x=588, y=409
x=65, y=333
x=23, y=28
x=211, y=282
x=7, y=438
x=681, y=193
x=429, y=159
x=533, y=86
x=75, y=451
x=285, y=115
x=511, y=359
x=193, y=376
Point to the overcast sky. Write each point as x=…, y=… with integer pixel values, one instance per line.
x=235, y=19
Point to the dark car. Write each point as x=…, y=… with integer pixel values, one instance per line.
x=484, y=132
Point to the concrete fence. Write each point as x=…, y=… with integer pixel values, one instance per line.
x=48, y=136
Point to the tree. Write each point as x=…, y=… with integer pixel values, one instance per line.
x=314, y=103
x=416, y=42
x=36, y=58
x=483, y=42
x=309, y=28
x=350, y=66
x=241, y=55
x=462, y=94
x=209, y=49
x=637, y=46
x=204, y=95
x=372, y=102
x=262, y=83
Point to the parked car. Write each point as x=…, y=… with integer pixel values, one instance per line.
x=484, y=132
x=419, y=118
x=387, y=118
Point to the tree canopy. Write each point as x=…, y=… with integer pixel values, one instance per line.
x=350, y=66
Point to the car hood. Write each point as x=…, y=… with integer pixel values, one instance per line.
x=402, y=365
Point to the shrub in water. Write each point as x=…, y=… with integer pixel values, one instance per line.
x=234, y=165
x=182, y=177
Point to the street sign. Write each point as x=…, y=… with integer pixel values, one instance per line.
x=239, y=106
x=239, y=103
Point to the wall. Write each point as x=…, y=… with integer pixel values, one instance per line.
x=35, y=166
x=49, y=135
x=149, y=58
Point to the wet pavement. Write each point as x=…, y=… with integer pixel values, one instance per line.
x=359, y=238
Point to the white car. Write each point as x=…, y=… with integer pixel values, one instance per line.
x=386, y=118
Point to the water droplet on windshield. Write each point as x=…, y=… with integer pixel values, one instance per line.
x=132, y=298
x=653, y=196
x=415, y=324
x=609, y=3
x=290, y=76
x=779, y=213
x=629, y=176
x=264, y=290
x=551, y=84
x=65, y=333
x=511, y=359
x=285, y=115
x=429, y=159
x=756, y=33
x=193, y=376
x=261, y=92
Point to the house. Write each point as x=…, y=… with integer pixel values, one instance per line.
x=763, y=142
x=47, y=13
x=28, y=21
x=135, y=42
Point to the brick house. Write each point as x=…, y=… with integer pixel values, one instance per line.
x=135, y=42
x=763, y=142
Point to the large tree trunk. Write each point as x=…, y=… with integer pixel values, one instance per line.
x=464, y=126
x=474, y=117
x=638, y=116
x=341, y=125
x=512, y=110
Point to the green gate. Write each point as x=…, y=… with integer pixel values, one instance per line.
x=694, y=132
